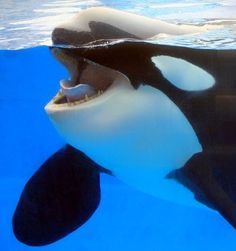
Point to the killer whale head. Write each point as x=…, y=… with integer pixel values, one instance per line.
x=120, y=115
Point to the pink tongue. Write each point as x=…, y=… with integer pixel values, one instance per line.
x=78, y=92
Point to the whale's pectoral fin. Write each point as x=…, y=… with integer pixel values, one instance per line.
x=212, y=177
x=58, y=198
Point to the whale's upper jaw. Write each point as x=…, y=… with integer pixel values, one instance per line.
x=118, y=54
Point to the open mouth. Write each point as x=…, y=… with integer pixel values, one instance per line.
x=87, y=81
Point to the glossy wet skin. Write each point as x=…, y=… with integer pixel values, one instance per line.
x=116, y=128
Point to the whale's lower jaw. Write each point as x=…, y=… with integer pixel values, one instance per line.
x=116, y=83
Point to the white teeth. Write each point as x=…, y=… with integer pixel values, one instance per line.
x=85, y=99
x=78, y=92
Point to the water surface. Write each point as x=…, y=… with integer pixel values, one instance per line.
x=29, y=23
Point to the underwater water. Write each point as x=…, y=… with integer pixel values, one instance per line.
x=126, y=218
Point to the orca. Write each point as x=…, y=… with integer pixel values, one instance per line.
x=158, y=117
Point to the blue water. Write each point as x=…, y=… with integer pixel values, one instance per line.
x=126, y=218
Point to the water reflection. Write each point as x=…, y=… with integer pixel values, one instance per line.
x=29, y=23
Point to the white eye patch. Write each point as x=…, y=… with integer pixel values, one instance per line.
x=182, y=74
